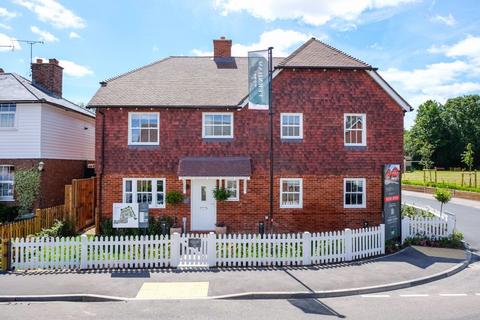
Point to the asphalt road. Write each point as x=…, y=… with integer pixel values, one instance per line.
x=457, y=297
x=466, y=211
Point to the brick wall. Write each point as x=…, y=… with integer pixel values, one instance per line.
x=320, y=158
x=48, y=75
x=56, y=174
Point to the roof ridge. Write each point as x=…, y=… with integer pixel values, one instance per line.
x=135, y=69
x=344, y=53
x=297, y=51
x=23, y=85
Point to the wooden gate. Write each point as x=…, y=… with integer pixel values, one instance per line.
x=80, y=200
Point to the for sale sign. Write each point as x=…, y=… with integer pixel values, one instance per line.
x=125, y=215
x=391, y=201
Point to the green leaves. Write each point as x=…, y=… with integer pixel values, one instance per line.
x=174, y=197
x=467, y=156
x=221, y=194
x=27, y=187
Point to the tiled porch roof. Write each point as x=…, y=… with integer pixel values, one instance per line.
x=215, y=167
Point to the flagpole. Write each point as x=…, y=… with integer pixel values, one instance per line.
x=270, y=112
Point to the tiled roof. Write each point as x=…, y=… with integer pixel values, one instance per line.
x=15, y=88
x=214, y=167
x=316, y=54
x=179, y=81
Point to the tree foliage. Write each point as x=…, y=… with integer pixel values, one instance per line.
x=448, y=128
x=27, y=187
x=443, y=196
x=468, y=156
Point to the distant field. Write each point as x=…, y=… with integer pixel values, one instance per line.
x=445, y=179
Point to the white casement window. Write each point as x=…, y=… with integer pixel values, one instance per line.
x=232, y=186
x=291, y=125
x=143, y=128
x=354, y=193
x=7, y=115
x=217, y=125
x=291, y=193
x=140, y=190
x=355, y=129
x=6, y=182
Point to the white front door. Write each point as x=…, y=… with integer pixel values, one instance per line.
x=203, y=205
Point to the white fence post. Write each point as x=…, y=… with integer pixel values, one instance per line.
x=175, y=250
x=307, y=252
x=348, y=245
x=382, y=238
x=83, y=251
x=405, y=228
x=212, y=249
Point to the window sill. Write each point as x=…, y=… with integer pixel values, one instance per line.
x=143, y=146
x=354, y=207
x=7, y=200
x=217, y=140
x=355, y=147
x=8, y=129
x=291, y=207
x=291, y=140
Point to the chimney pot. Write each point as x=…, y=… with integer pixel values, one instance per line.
x=222, y=48
x=2, y=71
x=48, y=76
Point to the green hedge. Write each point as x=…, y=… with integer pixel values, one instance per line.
x=443, y=185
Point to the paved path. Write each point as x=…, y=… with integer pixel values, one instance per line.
x=412, y=263
x=466, y=211
x=457, y=297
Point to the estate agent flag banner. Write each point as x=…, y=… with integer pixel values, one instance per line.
x=258, y=85
x=391, y=201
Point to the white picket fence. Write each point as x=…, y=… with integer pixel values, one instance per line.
x=194, y=250
x=434, y=228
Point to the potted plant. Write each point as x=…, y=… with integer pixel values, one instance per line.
x=174, y=198
x=27, y=187
x=221, y=194
x=220, y=228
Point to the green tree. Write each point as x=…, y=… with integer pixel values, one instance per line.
x=468, y=156
x=443, y=196
x=426, y=152
x=27, y=187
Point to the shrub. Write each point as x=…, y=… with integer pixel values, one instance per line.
x=174, y=197
x=221, y=194
x=412, y=212
x=8, y=213
x=27, y=187
x=58, y=229
x=442, y=196
x=453, y=241
x=154, y=227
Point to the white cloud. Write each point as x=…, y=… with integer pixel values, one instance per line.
x=43, y=35
x=4, y=13
x=8, y=43
x=313, y=12
x=73, y=35
x=281, y=41
x=5, y=26
x=447, y=20
x=155, y=48
x=72, y=69
x=53, y=12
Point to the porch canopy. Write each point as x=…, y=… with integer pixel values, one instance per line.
x=219, y=168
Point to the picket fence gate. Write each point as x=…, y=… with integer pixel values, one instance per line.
x=204, y=250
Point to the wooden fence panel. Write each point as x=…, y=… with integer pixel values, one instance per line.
x=80, y=202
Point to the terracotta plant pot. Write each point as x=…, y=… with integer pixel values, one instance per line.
x=177, y=230
x=221, y=230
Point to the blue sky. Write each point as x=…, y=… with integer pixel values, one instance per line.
x=425, y=49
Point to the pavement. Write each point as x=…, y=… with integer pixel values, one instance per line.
x=411, y=266
x=466, y=211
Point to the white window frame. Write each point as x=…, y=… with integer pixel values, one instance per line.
x=300, y=202
x=205, y=136
x=364, y=193
x=300, y=136
x=15, y=116
x=12, y=182
x=364, y=129
x=237, y=187
x=130, y=142
x=154, y=190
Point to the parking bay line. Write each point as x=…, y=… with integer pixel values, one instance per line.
x=453, y=294
x=413, y=295
x=375, y=296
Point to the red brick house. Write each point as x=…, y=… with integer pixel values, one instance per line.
x=41, y=129
x=183, y=123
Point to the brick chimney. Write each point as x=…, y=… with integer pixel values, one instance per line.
x=48, y=76
x=222, y=48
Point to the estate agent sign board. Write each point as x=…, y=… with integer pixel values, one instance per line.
x=130, y=215
x=391, y=201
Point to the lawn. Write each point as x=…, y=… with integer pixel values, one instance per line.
x=445, y=179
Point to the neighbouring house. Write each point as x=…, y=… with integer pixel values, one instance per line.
x=183, y=123
x=41, y=129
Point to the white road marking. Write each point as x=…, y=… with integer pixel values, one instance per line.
x=477, y=294
x=413, y=295
x=453, y=294
x=376, y=296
